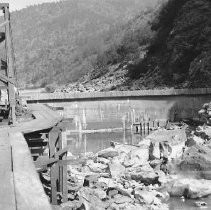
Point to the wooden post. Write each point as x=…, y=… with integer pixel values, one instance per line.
x=10, y=65
x=63, y=168
x=148, y=127
x=141, y=128
x=144, y=127
x=53, y=138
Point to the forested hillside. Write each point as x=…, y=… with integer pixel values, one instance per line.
x=96, y=45
x=59, y=42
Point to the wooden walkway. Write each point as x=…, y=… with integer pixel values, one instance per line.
x=21, y=188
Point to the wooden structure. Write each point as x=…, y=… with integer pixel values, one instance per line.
x=145, y=126
x=20, y=184
x=7, y=70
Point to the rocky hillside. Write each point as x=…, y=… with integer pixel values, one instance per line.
x=59, y=42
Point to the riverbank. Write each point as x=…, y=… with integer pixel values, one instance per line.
x=138, y=176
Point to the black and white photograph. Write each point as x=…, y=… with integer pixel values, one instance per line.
x=105, y=104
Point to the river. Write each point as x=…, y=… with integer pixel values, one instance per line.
x=111, y=114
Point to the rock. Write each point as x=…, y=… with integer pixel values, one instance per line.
x=103, y=160
x=146, y=177
x=108, y=181
x=155, y=164
x=193, y=140
x=96, y=167
x=90, y=200
x=100, y=193
x=112, y=192
x=200, y=203
x=154, y=151
x=177, y=150
x=140, y=156
x=144, y=196
x=122, y=148
x=119, y=199
x=116, y=169
x=90, y=180
x=197, y=159
x=109, y=152
x=71, y=205
x=190, y=188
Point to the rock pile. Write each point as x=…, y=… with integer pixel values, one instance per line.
x=205, y=112
x=136, y=177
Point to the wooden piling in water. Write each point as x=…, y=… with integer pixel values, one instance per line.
x=141, y=128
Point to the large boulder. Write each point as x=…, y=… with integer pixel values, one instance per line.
x=190, y=188
x=197, y=159
x=140, y=156
x=145, y=175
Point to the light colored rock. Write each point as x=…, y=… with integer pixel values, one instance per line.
x=177, y=150
x=100, y=193
x=119, y=199
x=140, y=156
x=144, y=196
x=116, y=169
x=96, y=167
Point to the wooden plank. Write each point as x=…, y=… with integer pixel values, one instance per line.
x=28, y=188
x=44, y=119
x=7, y=195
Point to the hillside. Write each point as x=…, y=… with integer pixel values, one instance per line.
x=59, y=42
x=166, y=46
x=180, y=53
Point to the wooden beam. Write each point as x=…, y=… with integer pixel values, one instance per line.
x=28, y=188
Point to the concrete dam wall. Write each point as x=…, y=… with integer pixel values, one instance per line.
x=155, y=104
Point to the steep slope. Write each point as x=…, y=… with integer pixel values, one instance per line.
x=58, y=42
x=180, y=53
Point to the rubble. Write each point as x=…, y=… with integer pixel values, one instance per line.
x=142, y=176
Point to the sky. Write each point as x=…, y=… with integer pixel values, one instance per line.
x=20, y=4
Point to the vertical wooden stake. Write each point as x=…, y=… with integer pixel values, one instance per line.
x=64, y=169
x=53, y=136
x=141, y=128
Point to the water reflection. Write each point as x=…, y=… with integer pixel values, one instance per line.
x=94, y=142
